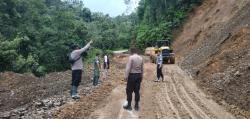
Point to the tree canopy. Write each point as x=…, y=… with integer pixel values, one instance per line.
x=158, y=19
x=35, y=35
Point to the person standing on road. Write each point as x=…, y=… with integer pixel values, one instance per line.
x=133, y=76
x=159, y=63
x=97, y=67
x=106, y=66
x=77, y=67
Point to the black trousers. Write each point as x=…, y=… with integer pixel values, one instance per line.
x=159, y=72
x=133, y=85
x=76, y=77
x=106, y=66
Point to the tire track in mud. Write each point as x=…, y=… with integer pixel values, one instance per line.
x=183, y=101
x=191, y=105
x=175, y=103
x=167, y=109
x=168, y=99
x=192, y=98
x=195, y=111
x=195, y=102
x=203, y=103
x=175, y=98
x=163, y=110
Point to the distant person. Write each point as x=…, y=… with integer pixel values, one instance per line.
x=97, y=67
x=76, y=67
x=106, y=66
x=133, y=76
x=159, y=65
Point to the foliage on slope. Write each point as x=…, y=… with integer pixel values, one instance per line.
x=157, y=19
x=35, y=35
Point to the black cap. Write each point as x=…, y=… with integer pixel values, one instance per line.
x=74, y=46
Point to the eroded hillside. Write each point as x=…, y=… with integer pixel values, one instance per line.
x=214, y=46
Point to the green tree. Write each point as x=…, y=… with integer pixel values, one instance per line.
x=157, y=19
x=35, y=35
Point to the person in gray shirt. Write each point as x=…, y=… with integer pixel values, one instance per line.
x=159, y=66
x=77, y=67
x=133, y=76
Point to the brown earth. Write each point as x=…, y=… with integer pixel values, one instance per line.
x=213, y=47
x=88, y=103
x=176, y=97
x=24, y=95
x=21, y=89
x=215, y=52
x=82, y=108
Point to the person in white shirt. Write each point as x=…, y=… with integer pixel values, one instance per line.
x=106, y=66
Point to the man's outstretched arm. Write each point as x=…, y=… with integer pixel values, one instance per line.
x=80, y=51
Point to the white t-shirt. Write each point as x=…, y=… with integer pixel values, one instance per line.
x=105, y=58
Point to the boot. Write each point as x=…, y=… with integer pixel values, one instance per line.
x=74, y=92
x=156, y=80
x=95, y=81
x=136, y=106
x=77, y=96
x=128, y=106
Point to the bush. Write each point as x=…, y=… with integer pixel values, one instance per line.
x=40, y=71
x=91, y=55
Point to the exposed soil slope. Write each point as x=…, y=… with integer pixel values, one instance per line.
x=214, y=46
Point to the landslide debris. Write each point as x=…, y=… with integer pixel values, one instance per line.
x=26, y=96
x=214, y=47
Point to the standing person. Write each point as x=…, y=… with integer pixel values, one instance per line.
x=133, y=76
x=159, y=63
x=97, y=67
x=106, y=66
x=77, y=67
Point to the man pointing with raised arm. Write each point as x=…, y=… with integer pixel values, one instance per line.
x=76, y=67
x=133, y=76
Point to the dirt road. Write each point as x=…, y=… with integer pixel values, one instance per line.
x=175, y=98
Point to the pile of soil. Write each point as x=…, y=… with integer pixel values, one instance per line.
x=217, y=52
x=26, y=96
x=20, y=89
x=88, y=103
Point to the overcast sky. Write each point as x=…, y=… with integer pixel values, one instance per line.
x=111, y=7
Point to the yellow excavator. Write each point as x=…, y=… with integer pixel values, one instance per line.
x=162, y=46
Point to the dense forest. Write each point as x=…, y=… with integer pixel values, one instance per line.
x=159, y=18
x=35, y=35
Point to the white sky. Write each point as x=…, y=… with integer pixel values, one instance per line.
x=111, y=7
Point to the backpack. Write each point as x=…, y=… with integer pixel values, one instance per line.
x=72, y=60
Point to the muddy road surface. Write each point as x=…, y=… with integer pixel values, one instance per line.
x=177, y=97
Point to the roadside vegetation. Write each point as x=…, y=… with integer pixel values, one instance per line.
x=36, y=35
x=158, y=18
